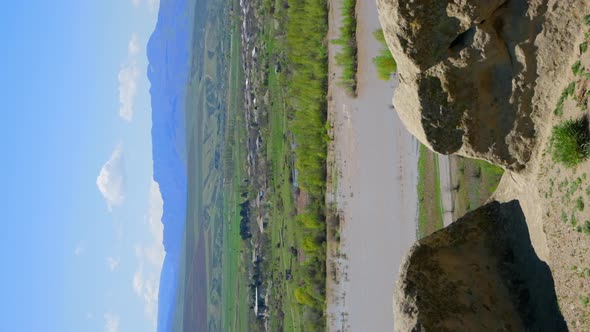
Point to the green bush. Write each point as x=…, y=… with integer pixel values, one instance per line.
x=347, y=57
x=384, y=62
x=570, y=142
x=310, y=221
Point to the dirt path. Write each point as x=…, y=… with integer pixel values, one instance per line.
x=373, y=174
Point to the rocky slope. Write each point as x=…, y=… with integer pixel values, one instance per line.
x=482, y=79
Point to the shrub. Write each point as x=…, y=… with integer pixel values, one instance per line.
x=310, y=244
x=577, y=68
x=384, y=62
x=347, y=57
x=302, y=296
x=583, y=47
x=587, y=19
x=310, y=221
x=570, y=142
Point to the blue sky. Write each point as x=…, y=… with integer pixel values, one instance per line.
x=81, y=241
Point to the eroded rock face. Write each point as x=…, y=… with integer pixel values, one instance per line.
x=479, y=274
x=467, y=73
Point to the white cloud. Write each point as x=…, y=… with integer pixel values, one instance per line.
x=111, y=179
x=113, y=263
x=133, y=47
x=128, y=75
x=154, y=5
x=146, y=279
x=127, y=91
x=111, y=322
x=135, y=3
x=79, y=250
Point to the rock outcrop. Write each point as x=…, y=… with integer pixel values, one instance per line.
x=467, y=74
x=481, y=79
x=479, y=274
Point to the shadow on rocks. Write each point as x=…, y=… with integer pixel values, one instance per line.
x=479, y=274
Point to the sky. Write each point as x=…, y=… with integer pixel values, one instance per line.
x=81, y=245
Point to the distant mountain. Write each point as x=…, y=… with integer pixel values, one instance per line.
x=168, y=51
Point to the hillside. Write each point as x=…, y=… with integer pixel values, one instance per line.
x=491, y=80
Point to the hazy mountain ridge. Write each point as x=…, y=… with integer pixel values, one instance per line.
x=168, y=52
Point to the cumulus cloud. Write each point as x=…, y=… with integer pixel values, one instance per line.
x=133, y=46
x=128, y=75
x=113, y=263
x=111, y=322
x=146, y=279
x=111, y=179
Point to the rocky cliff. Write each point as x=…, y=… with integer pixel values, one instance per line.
x=482, y=79
x=468, y=73
x=479, y=274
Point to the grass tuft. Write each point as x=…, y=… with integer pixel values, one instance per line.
x=384, y=62
x=570, y=142
x=567, y=92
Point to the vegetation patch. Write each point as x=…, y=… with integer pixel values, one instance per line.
x=580, y=204
x=577, y=68
x=384, y=62
x=430, y=214
x=567, y=92
x=473, y=182
x=347, y=57
x=307, y=81
x=570, y=142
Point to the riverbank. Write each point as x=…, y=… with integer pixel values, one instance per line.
x=372, y=178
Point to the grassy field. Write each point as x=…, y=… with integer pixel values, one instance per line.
x=429, y=198
x=286, y=313
x=198, y=302
x=234, y=315
x=473, y=182
x=281, y=265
